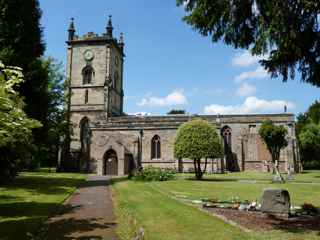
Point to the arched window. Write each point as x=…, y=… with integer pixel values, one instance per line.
x=155, y=147
x=87, y=74
x=226, y=134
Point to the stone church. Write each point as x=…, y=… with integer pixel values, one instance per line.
x=106, y=141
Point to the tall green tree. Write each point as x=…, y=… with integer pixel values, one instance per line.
x=275, y=138
x=308, y=129
x=21, y=45
x=287, y=31
x=195, y=140
x=15, y=126
x=20, y=32
x=54, y=120
x=309, y=142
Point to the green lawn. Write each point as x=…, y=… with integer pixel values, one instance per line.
x=165, y=218
x=30, y=198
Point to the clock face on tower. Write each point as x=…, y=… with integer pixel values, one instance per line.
x=88, y=55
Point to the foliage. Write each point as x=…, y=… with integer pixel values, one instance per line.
x=313, y=112
x=307, y=128
x=21, y=45
x=155, y=174
x=15, y=126
x=275, y=138
x=177, y=111
x=287, y=31
x=195, y=140
x=21, y=33
x=54, y=122
x=309, y=141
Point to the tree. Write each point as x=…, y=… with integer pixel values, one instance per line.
x=177, y=111
x=306, y=129
x=21, y=45
x=197, y=139
x=54, y=122
x=15, y=126
x=275, y=138
x=313, y=112
x=286, y=30
x=309, y=142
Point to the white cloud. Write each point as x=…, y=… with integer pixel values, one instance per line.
x=245, y=59
x=175, y=98
x=259, y=73
x=250, y=105
x=246, y=89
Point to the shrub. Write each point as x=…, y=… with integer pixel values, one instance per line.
x=154, y=174
x=196, y=140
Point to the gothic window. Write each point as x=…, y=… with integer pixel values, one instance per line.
x=155, y=147
x=226, y=135
x=87, y=74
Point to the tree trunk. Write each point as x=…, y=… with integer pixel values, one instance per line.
x=199, y=169
x=277, y=176
x=195, y=168
x=205, y=165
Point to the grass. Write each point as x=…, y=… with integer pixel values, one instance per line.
x=310, y=176
x=165, y=218
x=26, y=202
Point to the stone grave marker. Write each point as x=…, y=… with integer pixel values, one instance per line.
x=276, y=202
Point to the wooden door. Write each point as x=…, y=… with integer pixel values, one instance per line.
x=111, y=163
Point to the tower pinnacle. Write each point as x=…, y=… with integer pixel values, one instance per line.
x=110, y=28
x=121, y=41
x=71, y=30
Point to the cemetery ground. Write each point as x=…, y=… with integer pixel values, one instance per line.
x=156, y=206
x=26, y=203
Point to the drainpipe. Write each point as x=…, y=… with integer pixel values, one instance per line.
x=140, y=149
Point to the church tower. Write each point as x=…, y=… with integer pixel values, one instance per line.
x=95, y=74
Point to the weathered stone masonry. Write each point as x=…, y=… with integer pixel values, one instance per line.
x=106, y=141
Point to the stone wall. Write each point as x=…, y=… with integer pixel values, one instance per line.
x=125, y=133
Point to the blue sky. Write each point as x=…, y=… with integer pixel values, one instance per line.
x=168, y=65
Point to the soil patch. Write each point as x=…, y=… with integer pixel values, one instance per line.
x=253, y=220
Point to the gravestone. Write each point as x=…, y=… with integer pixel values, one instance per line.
x=276, y=202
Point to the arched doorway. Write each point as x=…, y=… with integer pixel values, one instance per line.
x=110, y=163
x=129, y=165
